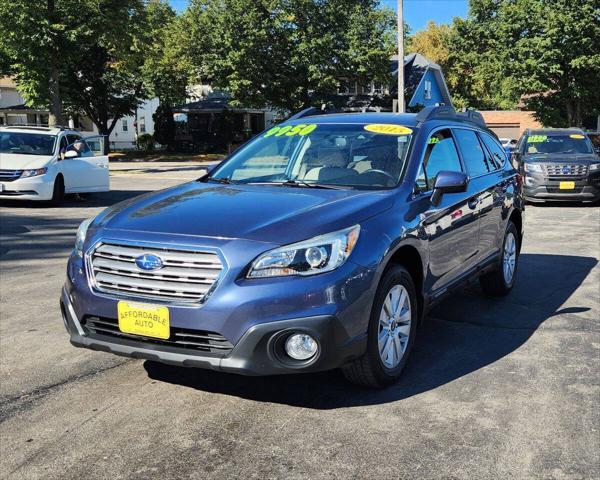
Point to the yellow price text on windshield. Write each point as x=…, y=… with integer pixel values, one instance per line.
x=537, y=138
x=291, y=130
x=577, y=136
x=388, y=129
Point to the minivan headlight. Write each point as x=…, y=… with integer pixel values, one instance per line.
x=81, y=234
x=34, y=173
x=317, y=255
x=533, y=168
x=594, y=167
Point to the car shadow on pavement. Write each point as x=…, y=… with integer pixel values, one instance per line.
x=103, y=199
x=464, y=333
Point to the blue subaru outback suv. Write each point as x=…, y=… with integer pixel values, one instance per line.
x=319, y=244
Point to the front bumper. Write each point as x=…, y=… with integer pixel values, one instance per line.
x=258, y=352
x=32, y=188
x=539, y=187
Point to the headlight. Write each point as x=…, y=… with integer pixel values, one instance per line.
x=81, y=233
x=533, y=168
x=33, y=173
x=594, y=167
x=317, y=255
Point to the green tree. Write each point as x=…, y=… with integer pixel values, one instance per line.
x=544, y=52
x=287, y=54
x=166, y=67
x=83, y=56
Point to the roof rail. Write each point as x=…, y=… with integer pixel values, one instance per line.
x=447, y=112
x=37, y=125
x=432, y=112
x=312, y=111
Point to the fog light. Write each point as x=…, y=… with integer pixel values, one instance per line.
x=301, y=346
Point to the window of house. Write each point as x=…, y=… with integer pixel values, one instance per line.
x=474, y=156
x=440, y=154
x=347, y=87
x=142, y=123
x=427, y=90
x=124, y=125
x=367, y=88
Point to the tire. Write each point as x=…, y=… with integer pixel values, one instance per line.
x=372, y=370
x=496, y=283
x=58, y=192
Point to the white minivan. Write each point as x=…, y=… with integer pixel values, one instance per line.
x=45, y=163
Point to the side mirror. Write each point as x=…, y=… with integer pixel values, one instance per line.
x=448, y=182
x=71, y=154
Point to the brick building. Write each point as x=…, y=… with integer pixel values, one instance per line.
x=509, y=123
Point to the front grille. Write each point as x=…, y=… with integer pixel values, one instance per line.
x=565, y=170
x=187, y=276
x=198, y=340
x=566, y=192
x=10, y=175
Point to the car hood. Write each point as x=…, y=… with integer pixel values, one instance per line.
x=561, y=157
x=272, y=214
x=18, y=161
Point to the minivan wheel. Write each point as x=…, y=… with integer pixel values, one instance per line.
x=58, y=192
x=500, y=281
x=391, y=332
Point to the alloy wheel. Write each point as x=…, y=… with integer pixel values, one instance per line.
x=394, y=326
x=509, y=258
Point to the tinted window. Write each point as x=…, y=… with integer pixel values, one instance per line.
x=440, y=154
x=496, y=151
x=475, y=158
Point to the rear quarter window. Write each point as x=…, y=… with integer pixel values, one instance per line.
x=497, y=153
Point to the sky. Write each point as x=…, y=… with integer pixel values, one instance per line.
x=416, y=12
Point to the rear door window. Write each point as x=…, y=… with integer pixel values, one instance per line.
x=497, y=153
x=440, y=154
x=473, y=153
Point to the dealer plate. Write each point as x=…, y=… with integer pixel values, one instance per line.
x=566, y=185
x=143, y=319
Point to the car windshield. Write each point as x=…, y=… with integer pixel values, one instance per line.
x=26, y=143
x=562, y=143
x=321, y=156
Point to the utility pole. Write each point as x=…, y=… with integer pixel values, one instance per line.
x=400, y=57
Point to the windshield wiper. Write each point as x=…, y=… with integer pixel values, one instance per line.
x=224, y=181
x=300, y=183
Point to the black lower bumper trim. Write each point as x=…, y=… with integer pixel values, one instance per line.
x=254, y=353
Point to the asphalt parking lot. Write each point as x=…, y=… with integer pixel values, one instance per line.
x=504, y=388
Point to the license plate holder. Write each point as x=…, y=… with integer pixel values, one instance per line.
x=144, y=319
x=566, y=185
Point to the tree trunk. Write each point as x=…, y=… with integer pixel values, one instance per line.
x=574, y=116
x=55, y=116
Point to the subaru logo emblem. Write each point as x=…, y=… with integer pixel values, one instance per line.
x=148, y=261
x=566, y=170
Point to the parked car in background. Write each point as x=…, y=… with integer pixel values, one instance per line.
x=319, y=244
x=44, y=163
x=558, y=164
x=595, y=139
x=509, y=145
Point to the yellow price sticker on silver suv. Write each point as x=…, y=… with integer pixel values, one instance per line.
x=388, y=129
